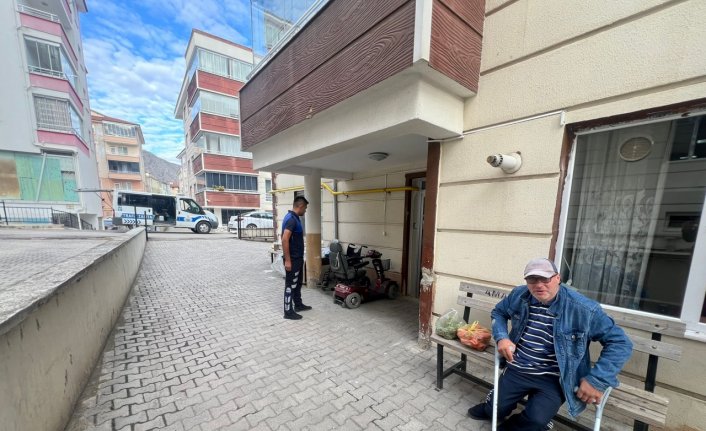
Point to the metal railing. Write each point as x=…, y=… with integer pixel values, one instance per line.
x=38, y=13
x=17, y=214
x=54, y=73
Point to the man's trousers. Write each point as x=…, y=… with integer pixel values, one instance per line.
x=544, y=393
x=293, y=285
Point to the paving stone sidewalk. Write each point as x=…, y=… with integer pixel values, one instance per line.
x=202, y=345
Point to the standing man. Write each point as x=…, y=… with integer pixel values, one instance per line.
x=293, y=248
x=547, y=351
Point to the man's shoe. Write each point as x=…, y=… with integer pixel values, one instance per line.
x=478, y=413
x=302, y=307
x=292, y=316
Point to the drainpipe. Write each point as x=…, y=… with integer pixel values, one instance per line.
x=274, y=209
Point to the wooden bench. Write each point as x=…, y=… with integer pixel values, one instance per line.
x=625, y=403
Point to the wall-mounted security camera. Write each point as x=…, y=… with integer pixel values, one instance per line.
x=509, y=163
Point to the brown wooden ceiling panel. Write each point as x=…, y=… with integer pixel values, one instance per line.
x=455, y=47
x=337, y=26
x=383, y=51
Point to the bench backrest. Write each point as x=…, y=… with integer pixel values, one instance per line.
x=479, y=297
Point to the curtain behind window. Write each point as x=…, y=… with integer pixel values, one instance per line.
x=613, y=212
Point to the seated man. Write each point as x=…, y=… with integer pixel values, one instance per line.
x=547, y=351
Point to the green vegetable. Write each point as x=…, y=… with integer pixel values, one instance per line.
x=448, y=324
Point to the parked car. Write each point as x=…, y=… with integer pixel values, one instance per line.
x=250, y=220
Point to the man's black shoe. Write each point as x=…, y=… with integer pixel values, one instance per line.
x=302, y=307
x=478, y=413
x=292, y=316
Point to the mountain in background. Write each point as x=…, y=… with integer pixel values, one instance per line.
x=162, y=170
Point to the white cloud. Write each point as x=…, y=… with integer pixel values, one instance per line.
x=134, y=53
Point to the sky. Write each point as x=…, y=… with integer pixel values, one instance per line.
x=134, y=53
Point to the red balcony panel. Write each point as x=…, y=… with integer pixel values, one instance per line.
x=217, y=162
x=220, y=84
x=216, y=123
x=56, y=84
x=227, y=199
x=60, y=138
x=197, y=165
x=194, y=127
x=50, y=27
x=199, y=198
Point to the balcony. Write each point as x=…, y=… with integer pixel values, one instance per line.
x=124, y=175
x=123, y=158
x=211, y=198
x=47, y=22
x=204, y=122
x=363, y=74
x=56, y=81
x=52, y=136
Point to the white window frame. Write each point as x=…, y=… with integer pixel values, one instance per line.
x=65, y=121
x=57, y=71
x=695, y=292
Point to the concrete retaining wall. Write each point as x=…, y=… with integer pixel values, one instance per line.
x=49, y=346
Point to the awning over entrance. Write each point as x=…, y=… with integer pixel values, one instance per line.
x=363, y=76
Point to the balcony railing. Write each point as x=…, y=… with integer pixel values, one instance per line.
x=113, y=171
x=59, y=128
x=38, y=13
x=54, y=73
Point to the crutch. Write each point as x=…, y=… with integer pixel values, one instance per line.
x=599, y=408
x=496, y=381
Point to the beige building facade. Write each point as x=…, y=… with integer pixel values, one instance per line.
x=603, y=102
x=119, y=152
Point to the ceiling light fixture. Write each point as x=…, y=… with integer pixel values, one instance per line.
x=377, y=156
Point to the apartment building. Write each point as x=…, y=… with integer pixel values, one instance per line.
x=47, y=158
x=599, y=105
x=215, y=171
x=119, y=146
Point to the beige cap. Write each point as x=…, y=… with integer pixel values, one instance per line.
x=542, y=267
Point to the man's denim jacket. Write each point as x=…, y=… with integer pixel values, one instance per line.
x=578, y=321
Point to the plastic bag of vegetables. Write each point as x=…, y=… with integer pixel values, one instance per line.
x=474, y=336
x=448, y=324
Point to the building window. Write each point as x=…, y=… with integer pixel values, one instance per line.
x=268, y=189
x=246, y=183
x=689, y=139
x=118, y=149
x=122, y=130
x=221, y=144
x=49, y=59
x=219, y=65
x=123, y=167
x=635, y=204
x=213, y=103
x=123, y=186
x=57, y=114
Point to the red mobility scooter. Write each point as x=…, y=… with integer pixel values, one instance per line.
x=354, y=287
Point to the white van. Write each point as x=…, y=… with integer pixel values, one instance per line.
x=161, y=210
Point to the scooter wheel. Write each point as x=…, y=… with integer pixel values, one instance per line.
x=393, y=290
x=353, y=300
